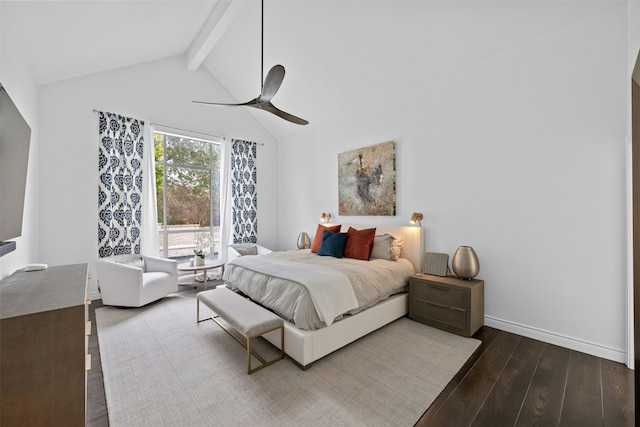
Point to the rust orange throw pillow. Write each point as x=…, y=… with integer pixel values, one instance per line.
x=359, y=243
x=317, y=239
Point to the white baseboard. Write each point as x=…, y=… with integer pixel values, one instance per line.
x=617, y=355
x=95, y=296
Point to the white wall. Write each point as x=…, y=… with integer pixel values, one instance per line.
x=18, y=81
x=519, y=154
x=157, y=92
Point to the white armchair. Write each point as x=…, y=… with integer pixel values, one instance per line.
x=135, y=280
x=240, y=249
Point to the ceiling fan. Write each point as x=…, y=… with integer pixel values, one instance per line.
x=269, y=87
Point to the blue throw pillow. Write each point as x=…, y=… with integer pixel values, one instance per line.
x=332, y=244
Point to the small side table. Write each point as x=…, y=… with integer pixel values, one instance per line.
x=208, y=265
x=448, y=303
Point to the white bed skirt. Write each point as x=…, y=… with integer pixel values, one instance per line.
x=305, y=347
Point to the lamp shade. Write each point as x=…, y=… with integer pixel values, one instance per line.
x=415, y=217
x=465, y=263
x=304, y=242
x=325, y=217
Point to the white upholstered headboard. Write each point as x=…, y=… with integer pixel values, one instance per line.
x=413, y=247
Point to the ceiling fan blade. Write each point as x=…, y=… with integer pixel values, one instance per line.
x=289, y=117
x=272, y=83
x=252, y=103
x=218, y=104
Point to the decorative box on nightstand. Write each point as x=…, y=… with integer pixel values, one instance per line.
x=448, y=303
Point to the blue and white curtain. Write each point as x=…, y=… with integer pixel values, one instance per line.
x=244, y=194
x=120, y=156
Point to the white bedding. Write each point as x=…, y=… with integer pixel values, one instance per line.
x=280, y=288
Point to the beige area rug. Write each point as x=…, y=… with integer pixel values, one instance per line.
x=161, y=368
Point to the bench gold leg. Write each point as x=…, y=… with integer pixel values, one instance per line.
x=246, y=345
x=249, y=356
x=198, y=319
x=264, y=363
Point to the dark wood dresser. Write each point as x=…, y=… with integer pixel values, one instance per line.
x=448, y=303
x=44, y=332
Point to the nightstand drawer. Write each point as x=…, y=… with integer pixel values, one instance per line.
x=453, y=317
x=438, y=294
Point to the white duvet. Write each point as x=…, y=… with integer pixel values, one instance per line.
x=313, y=291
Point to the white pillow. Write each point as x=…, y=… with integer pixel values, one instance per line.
x=383, y=247
x=387, y=247
x=396, y=246
x=247, y=250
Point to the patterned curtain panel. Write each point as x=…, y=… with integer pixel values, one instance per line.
x=244, y=194
x=120, y=156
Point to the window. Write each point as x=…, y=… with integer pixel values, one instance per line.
x=188, y=189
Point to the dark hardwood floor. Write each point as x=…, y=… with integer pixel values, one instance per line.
x=516, y=381
x=510, y=381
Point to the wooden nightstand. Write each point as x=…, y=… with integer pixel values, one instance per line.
x=447, y=303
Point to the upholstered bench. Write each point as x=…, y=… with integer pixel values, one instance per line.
x=246, y=317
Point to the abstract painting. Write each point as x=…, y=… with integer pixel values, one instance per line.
x=367, y=180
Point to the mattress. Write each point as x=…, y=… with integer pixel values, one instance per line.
x=279, y=289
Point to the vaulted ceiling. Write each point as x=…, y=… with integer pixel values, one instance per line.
x=340, y=56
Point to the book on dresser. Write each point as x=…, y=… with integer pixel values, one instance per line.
x=448, y=303
x=44, y=332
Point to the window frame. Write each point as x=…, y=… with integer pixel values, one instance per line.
x=163, y=227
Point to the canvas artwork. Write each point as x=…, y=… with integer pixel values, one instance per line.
x=367, y=180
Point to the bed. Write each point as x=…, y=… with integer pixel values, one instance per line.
x=316, y=325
